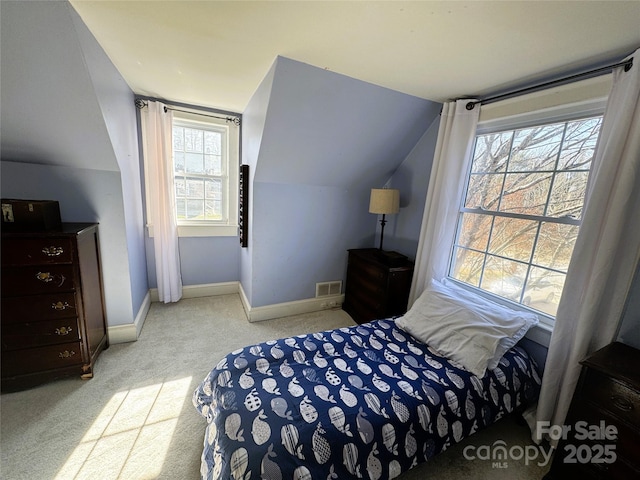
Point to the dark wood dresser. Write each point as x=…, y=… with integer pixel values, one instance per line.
x=606, y=404
x=375, y=289
x=53, y=319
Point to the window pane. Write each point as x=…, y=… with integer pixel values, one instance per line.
x=580, y=144
x=555, y=245
x=194, y=163
x=212, y=143
x=195, y=188
x=526, y=193
x=178, y=139
x=491, y=152
x=544, y=289
x=213, y=165
x=193, y=140
x=504, y=277
x=484, y=191
x=474, y=231
x=181, y=187
x=195, y=209
x=178, y=162
x=213, y=189
x=213, y=209
x=536, y=148
x=181, y=209
x=567, y=194
x=513, y=238
x=468, y=266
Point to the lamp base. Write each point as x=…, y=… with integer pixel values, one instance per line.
x=391, y=259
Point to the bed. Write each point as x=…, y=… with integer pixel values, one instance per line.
x=369, y=401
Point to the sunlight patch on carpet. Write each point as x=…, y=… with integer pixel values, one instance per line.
x=131, y=436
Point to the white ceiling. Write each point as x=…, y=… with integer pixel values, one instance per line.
x=215, y=53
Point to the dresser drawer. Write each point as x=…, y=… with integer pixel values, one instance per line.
x=36, y=280
x=38, y=307
x=36, y=334
x=36, y=251
x=612, y=396
x=19, y=362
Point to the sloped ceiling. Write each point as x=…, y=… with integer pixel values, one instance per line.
x=326, y=129
x=51, y=113
x=215, y=53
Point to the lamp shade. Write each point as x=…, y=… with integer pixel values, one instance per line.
x=384, y=200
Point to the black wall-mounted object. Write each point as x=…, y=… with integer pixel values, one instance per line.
x=243, y=204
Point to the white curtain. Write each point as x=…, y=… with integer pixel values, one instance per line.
x=446, y=183
x=157, y=147
x=606, y=250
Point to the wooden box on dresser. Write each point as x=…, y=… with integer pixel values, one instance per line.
x=53, y=318
x=374, y=289
x=603, y=423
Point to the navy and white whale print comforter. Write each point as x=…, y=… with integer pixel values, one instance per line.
x=368, y=401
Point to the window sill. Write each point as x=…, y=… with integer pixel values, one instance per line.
x=203, y=230
x=540, y=334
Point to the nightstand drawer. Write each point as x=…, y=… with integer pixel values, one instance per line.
x=612, y=396
x=34, y=334
x=36, y=280
x=36, y=251
x=366, y=270
x=38, y=307
x=627, y=441
x=20, y=362
x=359, y=280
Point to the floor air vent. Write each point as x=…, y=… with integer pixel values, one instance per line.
x=326, y=289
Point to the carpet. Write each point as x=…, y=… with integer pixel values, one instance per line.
x=134, y=419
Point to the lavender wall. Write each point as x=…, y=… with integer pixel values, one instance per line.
x=324, y=141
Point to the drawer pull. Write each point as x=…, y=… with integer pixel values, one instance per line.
x=621, y=403
x=66, y=354
x=60, y=306
x=47, y=277
x=53, y=251
x=63, y=330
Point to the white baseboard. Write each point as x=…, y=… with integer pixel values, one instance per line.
x=204, y=290
x=287, y=309
x=130, y=331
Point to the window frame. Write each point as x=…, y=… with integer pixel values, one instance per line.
x=558, y=114
x=231, y=146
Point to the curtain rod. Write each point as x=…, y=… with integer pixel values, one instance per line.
x=627, y=64
x=229, y=118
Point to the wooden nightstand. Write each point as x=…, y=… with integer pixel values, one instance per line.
x=606, y=400
x=375, y=289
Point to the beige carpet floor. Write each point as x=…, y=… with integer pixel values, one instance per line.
x=134, y=419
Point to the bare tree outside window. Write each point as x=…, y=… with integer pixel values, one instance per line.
x=522, y=211
x=198, y=172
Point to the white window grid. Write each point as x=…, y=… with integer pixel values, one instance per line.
x=495, y=213
x=214, y=186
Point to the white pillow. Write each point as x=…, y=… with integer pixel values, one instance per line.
x=464, y=327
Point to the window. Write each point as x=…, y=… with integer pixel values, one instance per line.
x=521, y=213
x=205, y=168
